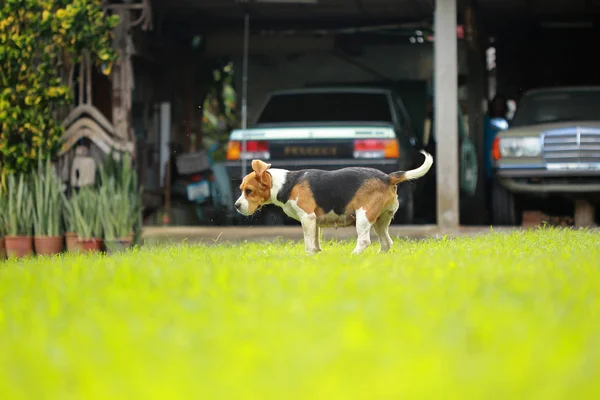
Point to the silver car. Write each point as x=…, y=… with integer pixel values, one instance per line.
x=551, y=149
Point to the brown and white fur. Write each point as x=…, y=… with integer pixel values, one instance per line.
x=355, y=196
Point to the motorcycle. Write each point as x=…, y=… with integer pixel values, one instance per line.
x=202, y=181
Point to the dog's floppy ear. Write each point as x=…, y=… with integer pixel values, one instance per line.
x=260, y=167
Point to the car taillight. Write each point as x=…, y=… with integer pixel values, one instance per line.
x=254, y=149
x=376, y=148
x=233, y=150
x=496, y=149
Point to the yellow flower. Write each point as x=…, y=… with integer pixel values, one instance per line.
x=45, y=16
x=61, y=13
x=106, y=69
x=71, y=11
x=54, y=91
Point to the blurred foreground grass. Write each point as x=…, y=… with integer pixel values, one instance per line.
x=512, y=316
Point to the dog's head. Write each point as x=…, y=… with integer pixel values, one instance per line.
x=256, y=189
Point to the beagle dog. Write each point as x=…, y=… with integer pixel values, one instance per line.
x=354, y=196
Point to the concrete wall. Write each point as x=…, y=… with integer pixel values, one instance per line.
x=293, y=69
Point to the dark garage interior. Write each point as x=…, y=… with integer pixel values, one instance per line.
x=537, y=43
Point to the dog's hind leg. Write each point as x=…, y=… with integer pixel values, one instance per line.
x=381, y=227
x=318, y=239
x=363, y=231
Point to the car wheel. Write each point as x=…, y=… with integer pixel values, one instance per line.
x=505, y=210
x=406, y=212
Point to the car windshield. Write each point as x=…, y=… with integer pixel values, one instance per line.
x=559, y=106
x=326, y=107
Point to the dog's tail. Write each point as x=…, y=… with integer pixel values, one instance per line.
x=403, y=176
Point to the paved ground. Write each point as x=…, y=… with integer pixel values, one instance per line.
x=154, y=235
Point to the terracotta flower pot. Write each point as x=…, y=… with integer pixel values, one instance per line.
x=19, y=246
x=47, y=246
x=2, y=249
x=72, y=242
x=90, y=245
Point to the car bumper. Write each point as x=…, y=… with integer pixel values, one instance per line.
x=539, y=179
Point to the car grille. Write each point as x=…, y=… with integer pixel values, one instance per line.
x=572, y=145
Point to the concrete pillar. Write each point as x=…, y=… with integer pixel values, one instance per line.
x=476, y=86
x=446, y=113
x=585, y=214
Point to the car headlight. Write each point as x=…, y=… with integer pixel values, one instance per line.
x=520, y=147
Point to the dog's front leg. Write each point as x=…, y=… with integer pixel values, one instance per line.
x=309, y=228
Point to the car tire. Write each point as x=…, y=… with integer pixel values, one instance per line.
x=406, y=212
x=505, y=209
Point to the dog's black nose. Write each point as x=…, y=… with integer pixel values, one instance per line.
x=238, y=205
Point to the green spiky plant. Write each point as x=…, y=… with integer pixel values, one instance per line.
x=68, y=214
x=47, y=200
x=87, y=213
x=120, y=197
x=111, y=220
x=3, y=209
x=3, y=222
x=19, y=210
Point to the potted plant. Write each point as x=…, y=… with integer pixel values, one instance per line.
x=120, y=200
x=19, y=217
x=88, y=219
x=119, y=221
x=48, y=238
x=3, y=222
x=69, y=221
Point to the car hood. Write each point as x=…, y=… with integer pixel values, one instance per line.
x=534, y=130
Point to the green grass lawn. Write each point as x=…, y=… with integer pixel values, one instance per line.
x=506, y=317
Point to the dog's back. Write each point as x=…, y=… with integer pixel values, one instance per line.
x=333, y=190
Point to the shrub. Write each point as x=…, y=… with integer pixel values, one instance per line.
x=37, y=39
